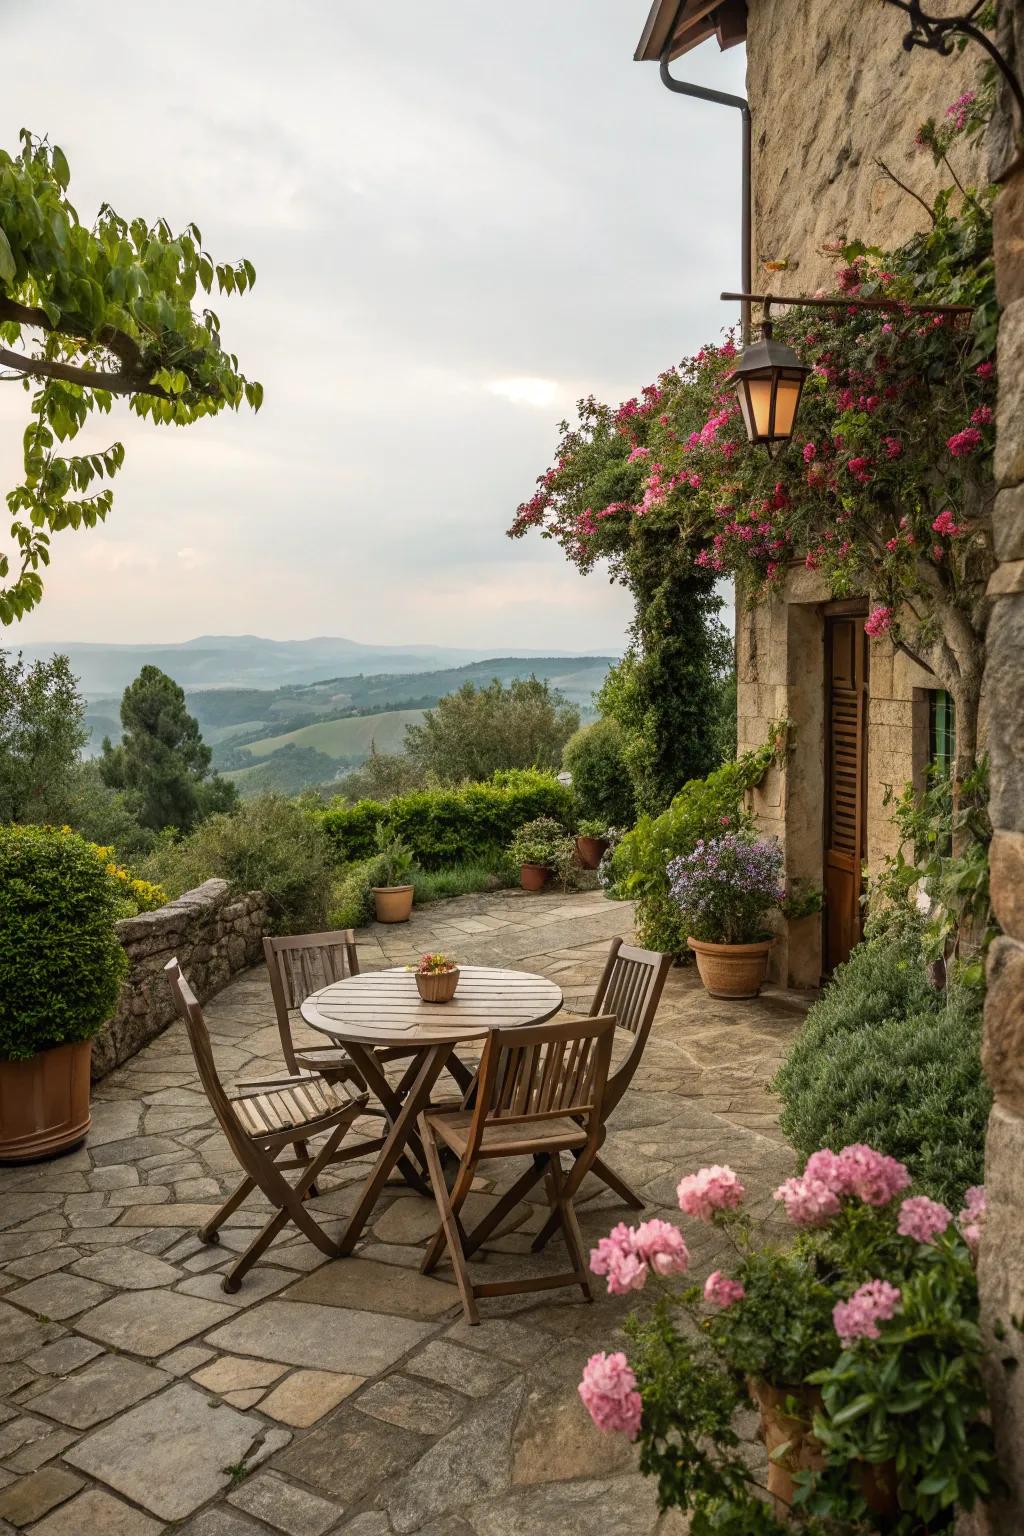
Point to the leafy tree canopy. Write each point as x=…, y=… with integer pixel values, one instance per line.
x=88, y=312
x=162, y=761
x=41, y=735
x=473, y=732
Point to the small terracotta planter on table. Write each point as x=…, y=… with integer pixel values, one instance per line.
x=44, y=1103
x=591, y=850
x=438, y=987
x=533, y=877
x=732, y=970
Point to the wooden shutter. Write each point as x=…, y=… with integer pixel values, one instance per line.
x=846, y=764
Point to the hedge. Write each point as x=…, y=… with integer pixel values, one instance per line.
x=444, y=826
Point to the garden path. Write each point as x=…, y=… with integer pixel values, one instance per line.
x=136, y=1397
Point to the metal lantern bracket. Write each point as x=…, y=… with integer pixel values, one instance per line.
x=799, y=301
x=937, y=32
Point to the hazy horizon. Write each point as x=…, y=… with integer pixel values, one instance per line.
x=461, y=221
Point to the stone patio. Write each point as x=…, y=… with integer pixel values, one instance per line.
x=137, y=1397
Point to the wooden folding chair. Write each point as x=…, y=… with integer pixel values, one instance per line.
x=630, y=988
x=538, y=1092
x=260, y=1124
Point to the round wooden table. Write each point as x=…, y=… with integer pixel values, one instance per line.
x=383, y=1009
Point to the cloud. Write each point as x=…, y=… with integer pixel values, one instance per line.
x=538, y=393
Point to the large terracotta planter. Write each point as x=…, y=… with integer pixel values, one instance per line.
x=732, y=970
x=803, y=1452
x=392, y=903
x=44, y=1103
x=533, y=877
x=591, y=850
x=439, y=988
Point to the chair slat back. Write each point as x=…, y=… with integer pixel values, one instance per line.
x=544, y=1073
x=300, y=965
x=199, y=1038
x=630, y=988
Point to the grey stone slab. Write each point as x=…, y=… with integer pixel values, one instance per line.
x=132, y=1149
x=63, y=1356
x=286, y=1507
x=101, y=1390
x=31, y=1497
x=471, y=1463
x=113, y=1120
x=21, y=1335
x=58, y=1295
x=44, y=1263
x=350, y=1454
x=412, y=1405
x=258, y=1284
x=183, y=1361
x=515, y=1342
x=625, y=1505
x=127, y=1269
x=221, y=1520
x=363, y=1284
x=117, y=1176
x=444, y=1362
x=169, y=1454
x=327, y=1338
x=95, y=1513
x=149, y=1322
x=18, y=1208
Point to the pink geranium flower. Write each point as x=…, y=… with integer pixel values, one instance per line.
x=870, y=1175
x=617, y=1260
x=825, y=1165
x=877, y=622
x=922, y=1219
x=946, y=524
x=711, y=1189
x=721, y=1291
x=660, y=1244
x=809, y=1202
x=971, y=1219
x=963, y=443
x=609, y=1393
x=871, y=1304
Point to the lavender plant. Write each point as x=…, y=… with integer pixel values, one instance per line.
x=726, y=886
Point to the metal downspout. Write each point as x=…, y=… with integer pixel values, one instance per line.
x=702, y=93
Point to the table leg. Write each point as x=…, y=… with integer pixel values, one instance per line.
x=391, y=1100
x=417, y=1099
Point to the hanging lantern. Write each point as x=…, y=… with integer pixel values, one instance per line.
x=769, y=379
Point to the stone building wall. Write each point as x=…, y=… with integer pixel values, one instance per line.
x=1001, y=1262
x=212, y=933
x=845, y=95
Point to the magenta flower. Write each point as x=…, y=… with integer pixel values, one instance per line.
x=922, y=1219
x=809, y=452
x=893, y=447
x=946, y=523
x=985, y=370
x=609, y=1393
x=871, y=1304
x=971, y=1219
x=809, y=1202
x=711, y=1189
x=870, y=1175
x=721, y=1291
x=963, y=443
x=616, y=1258
x=877, y=622
x=982, y=416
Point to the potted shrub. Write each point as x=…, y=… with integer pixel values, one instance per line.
x=859, y=1342
x=437, y=976
x=592, y=843
x=725, y=889
x=61, y=966
x=539, y=848
x=392, y=893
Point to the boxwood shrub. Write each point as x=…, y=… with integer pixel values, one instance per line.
x=886, y=1059
x=61, y=963
x=449, y=826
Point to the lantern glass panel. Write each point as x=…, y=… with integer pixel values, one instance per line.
x=787, y=396
x=761, y=405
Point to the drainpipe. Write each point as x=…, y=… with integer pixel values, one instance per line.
x=702, y=93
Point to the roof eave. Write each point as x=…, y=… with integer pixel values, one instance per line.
x=680, y=25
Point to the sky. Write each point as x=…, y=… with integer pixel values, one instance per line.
x=463, y=217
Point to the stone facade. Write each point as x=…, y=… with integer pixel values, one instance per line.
x=845, y=96
x=213, y=934
x=1001, y=1265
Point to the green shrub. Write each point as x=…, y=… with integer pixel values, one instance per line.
x=595, y=757
x=449, y=826
x=351, y=903
x=886, y=1059
x=268, y=844
x=701, y=809
x=61, y=963
x=462, y=879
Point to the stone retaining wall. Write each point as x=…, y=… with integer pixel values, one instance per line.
x=213, y=934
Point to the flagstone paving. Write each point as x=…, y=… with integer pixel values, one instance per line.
x=348, y=1396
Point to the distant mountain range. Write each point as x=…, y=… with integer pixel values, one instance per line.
x=232, y=661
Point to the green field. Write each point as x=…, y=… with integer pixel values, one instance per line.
x=350, y=737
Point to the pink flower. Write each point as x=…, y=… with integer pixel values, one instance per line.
x=971, y=1219
x=809, y=1202
x=947, y=524
x=711, y=1189
x=922, y=1219
x=809, y=452
x=982, y=416
x=638, y=453
x=616, y=1258
x=893, y=447
x=877, y=622
x=609, y=1393
x=963, y=443
x=722, y=1292
x=660, y=1244
x=872, y=1303
x=985, y=370
x=860, y=469
x=958, y=110
x=826, y=1166
x=870, y=1175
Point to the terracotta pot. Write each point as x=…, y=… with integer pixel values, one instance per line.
x=44, y=1103
x=732, y=970
x=533, y=877
x=591, y=850
x=392, y=903
x=439, y=988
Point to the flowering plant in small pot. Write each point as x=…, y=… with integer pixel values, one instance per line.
x=858, y=1341
x=725, y=888
x=592, y=842
x=437, y=976
x=541, y=848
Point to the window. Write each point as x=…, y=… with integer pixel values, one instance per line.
x=941, y=731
